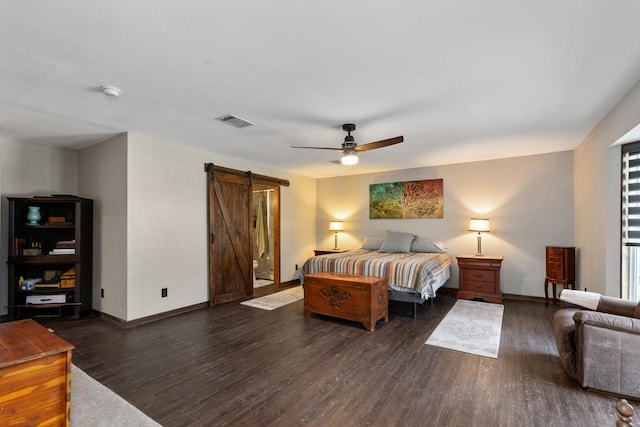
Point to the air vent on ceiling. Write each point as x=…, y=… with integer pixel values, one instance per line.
x=234, y=121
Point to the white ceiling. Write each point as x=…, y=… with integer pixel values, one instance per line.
x=461, y=80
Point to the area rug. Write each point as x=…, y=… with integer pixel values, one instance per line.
x=472, y=327
x=94, y=405
x=275, y=300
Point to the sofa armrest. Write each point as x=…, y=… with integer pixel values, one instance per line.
x=607, y=321
x=607, y=351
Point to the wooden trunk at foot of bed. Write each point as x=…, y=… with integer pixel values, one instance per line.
x=362, y=299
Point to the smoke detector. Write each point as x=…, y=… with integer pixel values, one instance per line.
x=234, y=121
x=111, y=91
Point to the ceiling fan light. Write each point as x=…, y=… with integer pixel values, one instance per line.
x=349, y=159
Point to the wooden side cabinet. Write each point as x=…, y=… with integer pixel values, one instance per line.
x=480, y=278
x=560, y=264
x=35, y=375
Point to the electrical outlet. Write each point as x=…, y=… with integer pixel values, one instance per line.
x=101, y=293
x=164, y=292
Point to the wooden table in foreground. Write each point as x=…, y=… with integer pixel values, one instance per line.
x=35, y=375
x=363, y=299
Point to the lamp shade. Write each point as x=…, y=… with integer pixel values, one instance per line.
x=335, y=226
x=479, y=224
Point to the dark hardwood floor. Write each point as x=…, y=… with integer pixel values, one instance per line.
x=241, y=366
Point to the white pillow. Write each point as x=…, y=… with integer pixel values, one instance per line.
x=372, y=243
x=588, y=300
x=397, y=242
x=424, y=244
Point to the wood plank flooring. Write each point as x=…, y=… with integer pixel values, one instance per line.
x=240, y=366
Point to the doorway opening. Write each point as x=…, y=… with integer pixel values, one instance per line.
x=264, y=237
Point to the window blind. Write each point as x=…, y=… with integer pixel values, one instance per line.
x=631, y=194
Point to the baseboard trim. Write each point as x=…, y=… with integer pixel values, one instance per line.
x=289, y=283
x=148, y=319
x=528, y=298
x=516, y=297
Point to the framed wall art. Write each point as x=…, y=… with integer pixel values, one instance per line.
x=407, y=200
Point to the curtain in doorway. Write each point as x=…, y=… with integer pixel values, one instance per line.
x=262, y=228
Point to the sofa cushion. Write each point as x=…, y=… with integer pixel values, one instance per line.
x=565, y=331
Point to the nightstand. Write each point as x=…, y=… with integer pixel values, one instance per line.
x=480, y=277
x=329, y=251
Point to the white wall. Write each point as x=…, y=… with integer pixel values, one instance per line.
x=29, y=170
x=167, y=223
x=529, y=201
x=597, y=196
x=149, y=216
x=102, y=176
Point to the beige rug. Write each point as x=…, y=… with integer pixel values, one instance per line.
x=472, y=327
x=275, y=300
x=94, y=405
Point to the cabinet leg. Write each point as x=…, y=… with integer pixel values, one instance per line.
x=546, y=292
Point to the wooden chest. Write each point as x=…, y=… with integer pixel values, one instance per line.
x=362, y=299
x=35, y=375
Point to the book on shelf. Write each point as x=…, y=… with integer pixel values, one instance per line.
x=47, y=285
x=62, y=251
x=18, y=244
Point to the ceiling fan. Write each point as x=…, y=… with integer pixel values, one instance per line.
x=350, y=149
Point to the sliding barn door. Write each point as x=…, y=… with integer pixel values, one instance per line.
x=230, y=256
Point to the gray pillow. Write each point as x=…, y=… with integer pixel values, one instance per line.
x=372, y=243
x=397, y=242
x=424, y=244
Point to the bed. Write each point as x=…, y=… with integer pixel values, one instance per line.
x=414, y=275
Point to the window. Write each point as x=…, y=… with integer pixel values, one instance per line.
x=631, y=221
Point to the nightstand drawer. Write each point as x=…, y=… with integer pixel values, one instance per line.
x=479, y=275
x=555, y=270
x=476, y=286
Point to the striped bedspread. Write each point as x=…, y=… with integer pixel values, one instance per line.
x=422, y=272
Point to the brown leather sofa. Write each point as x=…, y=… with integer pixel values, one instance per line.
x=601, y=348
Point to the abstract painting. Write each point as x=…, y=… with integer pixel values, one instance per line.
x=406, y=200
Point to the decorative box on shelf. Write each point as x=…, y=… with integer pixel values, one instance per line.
x=68, y=279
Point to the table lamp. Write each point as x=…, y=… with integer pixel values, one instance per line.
x=480, y=225
x=335, y=226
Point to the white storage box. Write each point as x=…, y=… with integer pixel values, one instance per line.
x=47, y=299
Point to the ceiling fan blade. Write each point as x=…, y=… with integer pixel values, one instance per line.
x=379, y=144
x=319, y=148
